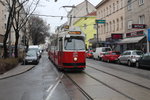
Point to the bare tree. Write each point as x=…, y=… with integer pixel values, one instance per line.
x=17, y=18
x=10, y=7
x=38, y=30
x=20, y=19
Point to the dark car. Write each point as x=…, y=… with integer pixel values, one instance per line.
x=144, y=61
x=31, y=57
x=111, y=56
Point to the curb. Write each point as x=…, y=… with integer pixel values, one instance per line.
x=16, y=74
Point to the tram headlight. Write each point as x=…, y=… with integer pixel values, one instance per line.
x=75, y=58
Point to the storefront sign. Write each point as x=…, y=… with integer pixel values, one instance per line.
x=138, y=26
x=136, y=33
x=117, y=36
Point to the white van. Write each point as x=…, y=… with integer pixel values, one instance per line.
x=99, y=51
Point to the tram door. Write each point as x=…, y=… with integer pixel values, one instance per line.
x=60, y=54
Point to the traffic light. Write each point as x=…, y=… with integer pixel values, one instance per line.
x=55, y=0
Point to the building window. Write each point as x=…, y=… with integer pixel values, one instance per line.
x=104, y=12
x=5, y=25
x=130, y=24
x=142, y=19
x=110, y=27
x=85, y=26
x=121, y=6
x=110, y=9
x=117, y=24
x=113, y=7
x=113, y=26
x=107, y=11
x=117, y=5
x=121, y=23
x=141, y=2
x=129, y=4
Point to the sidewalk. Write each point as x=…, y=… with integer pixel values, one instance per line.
x=16, y=71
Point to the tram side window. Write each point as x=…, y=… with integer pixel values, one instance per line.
x=60, y=44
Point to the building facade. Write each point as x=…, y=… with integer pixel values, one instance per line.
x=78, y=11
x=113, y=14
x=87, y=25
x=137, y=20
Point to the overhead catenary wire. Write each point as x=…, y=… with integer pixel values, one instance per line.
x=83, y=16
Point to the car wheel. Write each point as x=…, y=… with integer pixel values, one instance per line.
x=99, y=58
x=118, y=61
x=108, y=61
x=137, y=65
x=129, y=63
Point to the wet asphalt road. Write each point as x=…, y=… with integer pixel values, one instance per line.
x=34, y=84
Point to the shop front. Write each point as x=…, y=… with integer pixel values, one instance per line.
x=133, y=41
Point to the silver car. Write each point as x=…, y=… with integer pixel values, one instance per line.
x=31, y=57
x=130, y=57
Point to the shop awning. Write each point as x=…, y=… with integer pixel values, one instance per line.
x=131, y=40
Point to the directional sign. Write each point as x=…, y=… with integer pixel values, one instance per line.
x=100, y=21
x=148, y=34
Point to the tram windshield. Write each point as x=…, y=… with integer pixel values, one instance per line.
x=74, y=43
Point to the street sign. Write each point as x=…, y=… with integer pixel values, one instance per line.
x=100, y=21
x=148, y=35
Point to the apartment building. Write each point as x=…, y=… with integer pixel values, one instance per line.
x=79, y=10
x=87, y=25
x=113, y=13
x=137, y=20
x=2, y=26
x=2, y=22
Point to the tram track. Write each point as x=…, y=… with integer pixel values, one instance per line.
x=127, y=95
x=109, y=86
x=148, y=88
x=79, y=88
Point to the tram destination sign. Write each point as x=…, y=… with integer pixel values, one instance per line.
x=138, y=26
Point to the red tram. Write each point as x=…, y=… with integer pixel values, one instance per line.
x=67, y=50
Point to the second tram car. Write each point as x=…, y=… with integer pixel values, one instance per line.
x=67, y=50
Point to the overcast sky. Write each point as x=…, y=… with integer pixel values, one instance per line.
x=49, y=7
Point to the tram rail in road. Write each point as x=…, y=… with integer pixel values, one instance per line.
x=146, y=87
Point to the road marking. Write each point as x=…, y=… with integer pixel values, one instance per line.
x=49, y=88
x=52, y=90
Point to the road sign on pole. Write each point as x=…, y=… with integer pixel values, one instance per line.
x=148, y=35
x=100, y=21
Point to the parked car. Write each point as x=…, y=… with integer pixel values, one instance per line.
x=36, y=48
x=31, y=57
x=130, y=57
x=111, y=56
x=89, y=54
x=99, y=51
x=144, y=61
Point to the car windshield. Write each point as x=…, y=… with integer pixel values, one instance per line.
x=138, y=53
x=106, y=49
x=36, y=49
x=115, y=53
x=31, y=53
x=74, y=43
